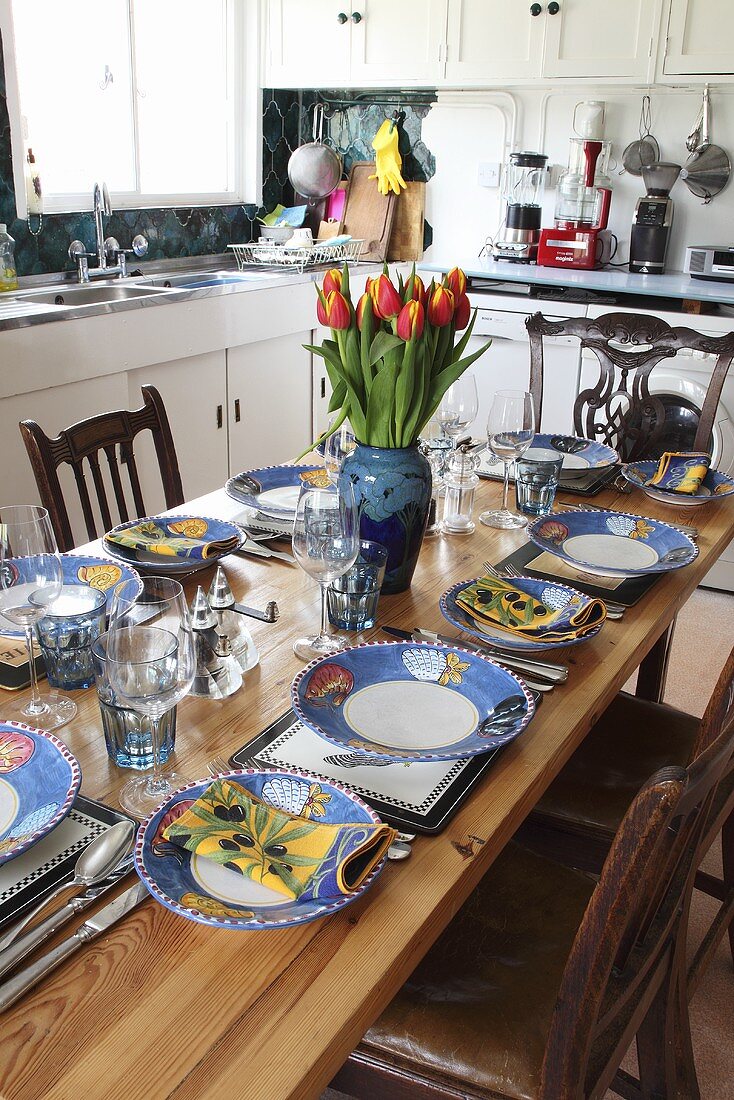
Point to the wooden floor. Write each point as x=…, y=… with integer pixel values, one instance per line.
x=703, y=638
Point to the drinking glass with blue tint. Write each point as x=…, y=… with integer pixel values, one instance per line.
x=510, y=431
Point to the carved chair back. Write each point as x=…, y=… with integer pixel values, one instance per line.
x=619, y=409
x=84, y=447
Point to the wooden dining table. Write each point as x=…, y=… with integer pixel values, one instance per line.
x=160, y=1006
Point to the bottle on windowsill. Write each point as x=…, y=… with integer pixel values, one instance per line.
x=8, y=275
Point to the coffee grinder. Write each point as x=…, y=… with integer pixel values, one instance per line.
x=653, y=219
x=524, y=180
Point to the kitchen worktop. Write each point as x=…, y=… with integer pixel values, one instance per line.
x=673, y=285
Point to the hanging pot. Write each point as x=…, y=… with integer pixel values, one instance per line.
x=315, y=169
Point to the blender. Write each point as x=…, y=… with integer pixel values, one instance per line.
x=653, y=219
x=582, y=208
x=523, y=195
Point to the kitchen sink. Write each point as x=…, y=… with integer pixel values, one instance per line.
x=87, y=295
x=212, y=278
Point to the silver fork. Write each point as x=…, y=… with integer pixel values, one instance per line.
x=692, y=532
x=217, y=765
x=614, y=610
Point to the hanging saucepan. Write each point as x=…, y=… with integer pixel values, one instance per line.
x=315, y=169
x=707, y=170
x=639, y=154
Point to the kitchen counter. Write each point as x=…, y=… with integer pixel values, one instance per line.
x=674, y=285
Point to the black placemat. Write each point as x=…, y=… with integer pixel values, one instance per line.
x=416, y=797
x=624, y=590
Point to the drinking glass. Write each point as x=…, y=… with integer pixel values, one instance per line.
x=30, y=580
x=151, y=663
x=336, y=448
x=459, y=406
x=510, y=431
x=325, y=544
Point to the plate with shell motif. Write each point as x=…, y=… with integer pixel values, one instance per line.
x=714, y=486
x=100, y=573
x=274, y=490
x=613, y=544
x=567, y=606
x=412, y=701
x=579, y=455
x=205, y=891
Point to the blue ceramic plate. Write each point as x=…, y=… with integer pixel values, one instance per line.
x=714, y=486
x=101, y=573
x=579, y=455
x=159, y=565
x=412, y=701
x=551, y=593
x=204, y=891
x=274, y=490
x=39, y=779
x=613, y=544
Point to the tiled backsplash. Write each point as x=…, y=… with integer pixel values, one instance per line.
x=197, y=231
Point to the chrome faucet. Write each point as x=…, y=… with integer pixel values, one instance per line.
x=107, y=250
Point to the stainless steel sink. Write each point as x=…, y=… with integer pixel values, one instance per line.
x=211, y=278
x=88, y=295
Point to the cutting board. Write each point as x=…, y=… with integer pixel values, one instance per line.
x=406, y=239
x=368, y=215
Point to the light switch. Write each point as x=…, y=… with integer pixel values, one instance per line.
x=489, y=173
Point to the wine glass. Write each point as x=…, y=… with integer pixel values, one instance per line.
x=459, y=406
x=510, y=431
x=30, y=580
x=336, y=448
x=325, y=543
x=151, y=661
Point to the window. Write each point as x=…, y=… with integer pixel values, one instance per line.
x=158, y=98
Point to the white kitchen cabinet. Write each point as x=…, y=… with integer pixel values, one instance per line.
x=488, y=39
x=596, y=38
x=321, y=386
x=700, y=38
x=307, y=44
x=194, y=391
x=269, y=401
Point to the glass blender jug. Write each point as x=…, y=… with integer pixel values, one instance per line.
x=584, y=189
x=524, y=181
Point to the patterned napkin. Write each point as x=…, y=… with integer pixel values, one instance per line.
x=681, y=472
x=494, y=603
x=296, y=856
x=185, y=538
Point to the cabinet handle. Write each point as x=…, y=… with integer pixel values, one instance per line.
x=356, y=17
x=219, y=416
x=323, y=387
x=535, y=9
x=553, y=8
x=237, y=410
x=341, y=18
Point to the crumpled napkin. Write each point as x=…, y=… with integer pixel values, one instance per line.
x=184, y=538
x=502, y=606
x=680, y=471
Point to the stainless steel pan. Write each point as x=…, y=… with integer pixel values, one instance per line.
x=315, y=169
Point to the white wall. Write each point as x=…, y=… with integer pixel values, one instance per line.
x=468, y=127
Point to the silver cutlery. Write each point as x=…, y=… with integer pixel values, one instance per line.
x=260, y=550
x=554, y=674
x=217, y=765
x=398, y=851
x=13, y=989
x=100, y=857
x=684, y=529
x=508, y=572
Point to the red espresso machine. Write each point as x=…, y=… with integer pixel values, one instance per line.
x=582, y=209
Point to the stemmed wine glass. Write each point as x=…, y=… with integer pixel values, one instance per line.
x=325, y=543
x=30, y=580
x=510, y=431
x=151, y=661
x=459, y=406
x=336, y=448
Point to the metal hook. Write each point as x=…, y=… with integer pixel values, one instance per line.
x=108, y=78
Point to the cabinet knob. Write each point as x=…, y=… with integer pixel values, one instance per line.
x=535, y=9
x=342, y=17
x=553, y=8
x=356, y=17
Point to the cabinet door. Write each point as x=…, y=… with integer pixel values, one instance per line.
x=493, y=38
x=598, y=38
x=307, y=43
x=269, y=395
x=398, y=43
x=194, y=393
x=321, y=386
x=700, y=37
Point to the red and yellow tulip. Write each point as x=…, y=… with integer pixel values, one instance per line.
x=410, y=322
x=385, y=298
x=440, y=307
x=332, y=281
x=334, y=311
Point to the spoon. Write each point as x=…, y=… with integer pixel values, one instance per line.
x=99, y=858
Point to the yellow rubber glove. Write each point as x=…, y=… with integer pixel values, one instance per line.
x=388, y=161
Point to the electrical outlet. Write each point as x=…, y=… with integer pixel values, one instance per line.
x=489, y=173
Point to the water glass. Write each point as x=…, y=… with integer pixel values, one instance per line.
x=66, y=633
x=510, y=431
x=536, y=481
x=128, y=734
x=353, y=597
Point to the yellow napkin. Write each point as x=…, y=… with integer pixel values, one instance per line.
x=494, y=603
x=680, y=471
x=184, y=538
x=296, y=856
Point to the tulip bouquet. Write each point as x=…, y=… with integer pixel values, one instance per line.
x=391, y=359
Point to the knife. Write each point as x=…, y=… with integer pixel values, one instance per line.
x=29, y=941
x=12, y=990
x=258, y=550
x=555, y=674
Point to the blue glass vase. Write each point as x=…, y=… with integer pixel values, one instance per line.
x=392, y=490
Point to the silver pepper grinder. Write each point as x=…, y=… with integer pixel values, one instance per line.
x=230, y=624
x=460, y=481
x=218, y=674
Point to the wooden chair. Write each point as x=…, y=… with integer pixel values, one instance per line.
x=580, y=812
x=619, y=409
x=114, y=434
x=539, y=984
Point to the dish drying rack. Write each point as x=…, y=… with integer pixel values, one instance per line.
x=298, y=259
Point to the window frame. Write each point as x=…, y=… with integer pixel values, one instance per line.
x=244, y=24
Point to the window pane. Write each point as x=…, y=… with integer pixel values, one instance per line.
x=183, y=107
x=79, y=131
